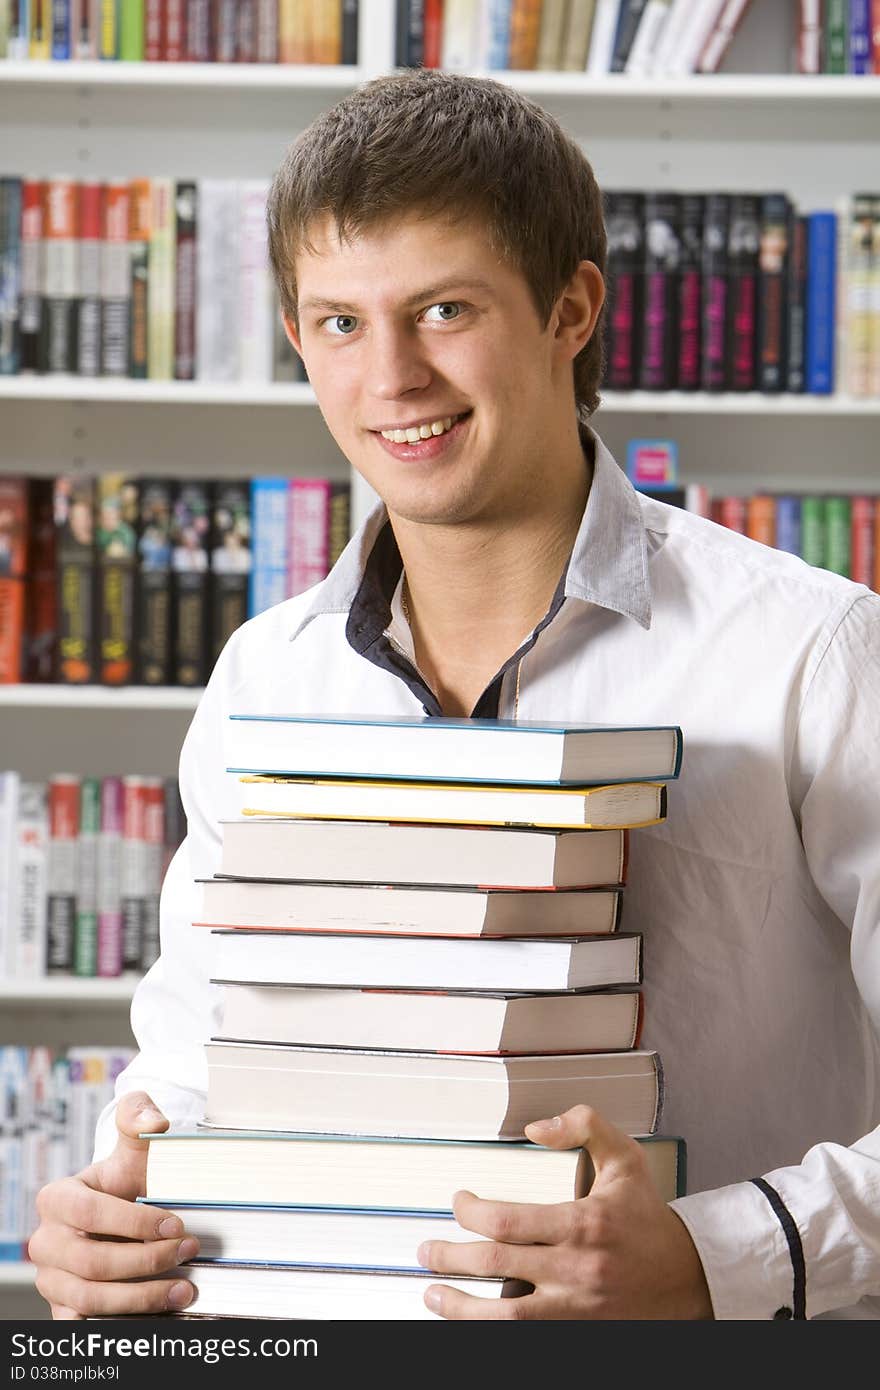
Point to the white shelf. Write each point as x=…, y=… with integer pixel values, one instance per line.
x=751, y=403
x=233, y=76
x=128, y=698
x=68, y=990
x=17, y=1273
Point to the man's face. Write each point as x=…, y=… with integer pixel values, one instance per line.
x=417, y=324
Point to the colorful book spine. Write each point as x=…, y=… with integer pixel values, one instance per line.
x=743, y=246
x=246, y=32
x=140, y=220
x=773, y=277
x=131, y=31
x=835, y=39
x=108, y=45
x=838, y=535
x=731, y=512
x=813, y=530
x=154, y=838
x=713, y=375
x=64, y=792
x=185, y=278
x=88, y=301
x=115, y=281
x=59, y=278
x=797, y=305
x=160, y=310
x=659, y=354
x=109, y=961
x=690, y=285
x=267, y=31
x=28, y=942
x=308, y=533
x=223, y=30
x=198, y=31
x=624, y=221
x=153, y=590
x=133, y=870
x=14, y=524
x=855, y=291
x=862, y=540
x=85, y=943
x=13, y=1109
x=30, y=311
x=761, y=518
x=859, y=44
x=153, y=30
x=821, y=284
x=268, y=584
x=788, y=523
x=86, y=30
x=173, y=31
x=809, y=37
x=230, y=560
x=10, y=275
x=41, y=594
x=74, y=510
x=339, y=530
x=190, y=564
x=116, y=544
x=40, y=45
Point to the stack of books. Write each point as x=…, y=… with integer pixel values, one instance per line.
x=417, y=956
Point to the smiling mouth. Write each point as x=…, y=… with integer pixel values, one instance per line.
x=430, y=429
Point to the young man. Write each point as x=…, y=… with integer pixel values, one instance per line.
x=439, y=247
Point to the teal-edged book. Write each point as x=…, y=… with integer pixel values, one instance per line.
x=443, y=749
x=232, y=1166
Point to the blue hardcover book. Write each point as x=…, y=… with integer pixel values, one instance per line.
x=10, y=275
x=860, y=56
x=788, y=524
x=821, y=278
x=499, y=34
x=268, y=578
x=61, y=29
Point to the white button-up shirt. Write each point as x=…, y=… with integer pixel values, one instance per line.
x=759, y=898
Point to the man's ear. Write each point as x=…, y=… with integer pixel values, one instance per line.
x=292, y=334
x=578, y=307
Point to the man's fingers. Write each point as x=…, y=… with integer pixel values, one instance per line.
x=447, y=1302
x=513, y=1223
x=138, y=1114
x=109, y=1260
x=71, y=1202
x=583, y=1127
x=83, y=1298
x=61, y=1313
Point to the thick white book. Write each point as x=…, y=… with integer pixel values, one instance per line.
x=347, y=851
x=449, y=749
x=217, y=287
x=399, y=962
x=423, y=1095
x=604, y=28
x=396, y=908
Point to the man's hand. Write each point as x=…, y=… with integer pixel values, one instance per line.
x=619, y=1252
x=92, y=1235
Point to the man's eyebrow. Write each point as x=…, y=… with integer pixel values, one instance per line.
x=430, y=294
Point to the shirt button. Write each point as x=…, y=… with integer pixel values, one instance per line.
x=783, y=1312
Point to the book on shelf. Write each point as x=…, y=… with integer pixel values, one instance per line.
x=821, y=289
x=153, y=590
x=13, y=576
x=743, y=266
x=140, y=223
x=773, y=272
x=295, y=1168
x=59, y=279
x=116, y=280
x=659, y=339
x=553, y=19
x=418, y=1094
x=87, y=349
x=74, y=503
x=618, y=806
x=63, y=795
x=625, y=224
x=401, y=962
x=431, y=1020
x=190, y=580
x=689, y=293
x=604, y=28
x=450, y=749
x=722, y=35
x=629, y=18
x=116, y=576
x=393, y=852
x=427, y=910
x=186, y=228
x=231, y=560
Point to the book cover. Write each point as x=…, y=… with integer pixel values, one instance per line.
x=246, y=32
x=223, y=15
x=185, y=278
x=74, y=504
x=432, y=32
x=116, y=547
x=671, y=39
x=744, y=237
x=809, y=37
x=820, y=316
x=773, y=279
x=153, y=589
x=624, y=223
x=115, y=281
x=339, y=528
x=108, y=34
x=131, y=31
x=716, y=238
x=855, y=290
x=40, y=41
x=109, y=878
x=61, y=30
x=87, y=349
x=153, y=30
x=173, y=40
x=140, y=221
x=461, y=35
x=731, y=511
x=602, y=37
x=190, y=581
x=230, y=560
x=30, y=311
x=699, y=26
x=14, y=522
x=551, y=35
x=64, y=792
x=645, y=44
x=689, y=313
x=10, y=275
x=58, y=287
x=409, y=16
x=41, y=586
x=662, y=214
x=761, y=518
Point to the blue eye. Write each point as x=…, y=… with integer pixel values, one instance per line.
x=446, y=311
x=341, y=325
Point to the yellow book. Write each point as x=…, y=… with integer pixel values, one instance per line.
x=626, y=805
x=40, y=39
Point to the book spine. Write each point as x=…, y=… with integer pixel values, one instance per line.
x=64, y=799
x=267, y=32
x=602, y=37
x=255, y=300
x=809, y=37
x=732, y=513
x=115, y=281
x=788, y=524
x=854, y=288
x=131, y=31
x=721, y=37
x=109, y=961
x=153, y=31
x=813, y=530
x=835, y=46
x=85, y=943
x=88, y=301
x=199, y=42
x=160, y=308
x=640, y=59
x=13, y=1110
x=28, y=943
x=246, y=31
x=14, y=521
x=230, y=560
x=59, y=281
x=628, y=20
x=876, y=584
x=773, y=276
x=820, y=327
x=117, y=558
x=61, y=16
x=432, y=34
x=761, y=518
x=153, y=590
x=223, y=30
x=217, y=292
x=797, y=304
x=174, y=31
x=108, y=40
x=308, y=533
x=41, y=593
x=742, y=252
x=497, y=35
x=713, y=370
x=874, y=289
x=690, y=284
x=132, y=870
x=30, y=285
x=268, y=581
x=86, y=30
x=74, y=512
x=859, y=44
x=862, y=540
x=140, y=209
x=340, y=521
x=662, y=256
x=525, y=25
x=190, y=560
x=624, y=220
x=875, y=35
x=10, y=275
x=39, y=46
x=412, y=38
x=838, y=535
x=185, y=276
x=154, y=836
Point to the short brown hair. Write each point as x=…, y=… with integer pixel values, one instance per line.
x=459, y=147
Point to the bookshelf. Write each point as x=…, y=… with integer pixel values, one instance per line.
x=748, y=129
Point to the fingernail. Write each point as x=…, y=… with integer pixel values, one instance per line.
x=179, y=1295
x=187, y=1249
x=171, y=1226
x=434, y=1300
x=546, y=1124
x=423, y=1254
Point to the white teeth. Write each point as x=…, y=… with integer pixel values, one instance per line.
x=415, y=433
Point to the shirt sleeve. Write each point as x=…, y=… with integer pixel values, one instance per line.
x=804, y=1241
x=175, y=1006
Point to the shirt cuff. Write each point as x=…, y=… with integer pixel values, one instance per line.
x=744, y=1249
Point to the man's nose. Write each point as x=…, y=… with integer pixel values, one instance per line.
x=396, y=364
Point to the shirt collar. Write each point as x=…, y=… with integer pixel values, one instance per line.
x=608, y=564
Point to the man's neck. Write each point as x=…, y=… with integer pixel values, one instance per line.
x=474, y=593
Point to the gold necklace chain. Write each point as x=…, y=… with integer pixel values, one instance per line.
x=405, y=606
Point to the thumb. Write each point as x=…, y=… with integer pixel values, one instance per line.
x=125, y=1169
x=583, y=1127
